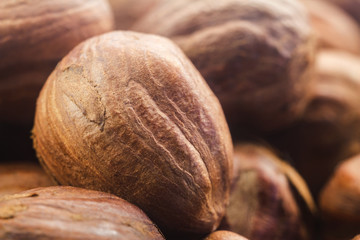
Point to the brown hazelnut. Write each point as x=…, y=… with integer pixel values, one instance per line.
x=19, y=176
x=339, y=201
x=127, y=12
x=128, y=113
x=329, y=130
x=333, y=27
x=262, y=201
x=73, y=214
x=224, y=235
x=35, y=35
x=255, y=55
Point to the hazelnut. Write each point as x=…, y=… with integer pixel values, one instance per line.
x=263, y=204
x=255, y=55
x=128, y=113
x=357, y=237
x=72, y=213
x=35, y=35
x=339, y=201
x=339, y=31
x=19, y=176
x=224, y=235
x=127, y=12
x=329, y=130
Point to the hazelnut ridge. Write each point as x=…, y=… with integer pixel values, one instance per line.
x=128, y=113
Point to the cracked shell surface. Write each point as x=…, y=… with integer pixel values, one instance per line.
x=128, y=113
x=72, y=213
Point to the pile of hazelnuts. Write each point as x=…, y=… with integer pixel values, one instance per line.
x=180, y=119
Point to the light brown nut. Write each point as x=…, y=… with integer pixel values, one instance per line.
x=255, y=55
x=333, y=27
x=20, y=176
x=35, y=35
x=263, y=204
x=339, y=201
x=128, y=113
x=73, y=214
x=224, y=235
x=329, y=131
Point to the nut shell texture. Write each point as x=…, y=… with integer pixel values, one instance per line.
x=128, y=113
x=253, y=54
x=72, y=214
x=35, y=35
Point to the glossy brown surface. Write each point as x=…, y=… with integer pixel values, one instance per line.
x=262, y=201
x=20, y=176
x=128, y=113
x=35, y=35
x=224, y=235
x=255, y=55
x=72, y=214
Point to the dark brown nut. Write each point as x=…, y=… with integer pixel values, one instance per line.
x=127, y=12
x=329, y=130
x=352, y=7
x=255, y=55
x=262, y=202
x=20, y=176
x=339, y=201
x=128, y=113
x=35, y=35
x=73, y=214
x=224, y=235
x=333, y=27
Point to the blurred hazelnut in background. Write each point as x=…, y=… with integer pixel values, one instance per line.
x=127, y=12
x=329, y=130
x=35, y=35
x=263, y=202
x=255, y=55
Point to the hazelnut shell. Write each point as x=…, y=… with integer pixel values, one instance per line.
x=128, y=113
